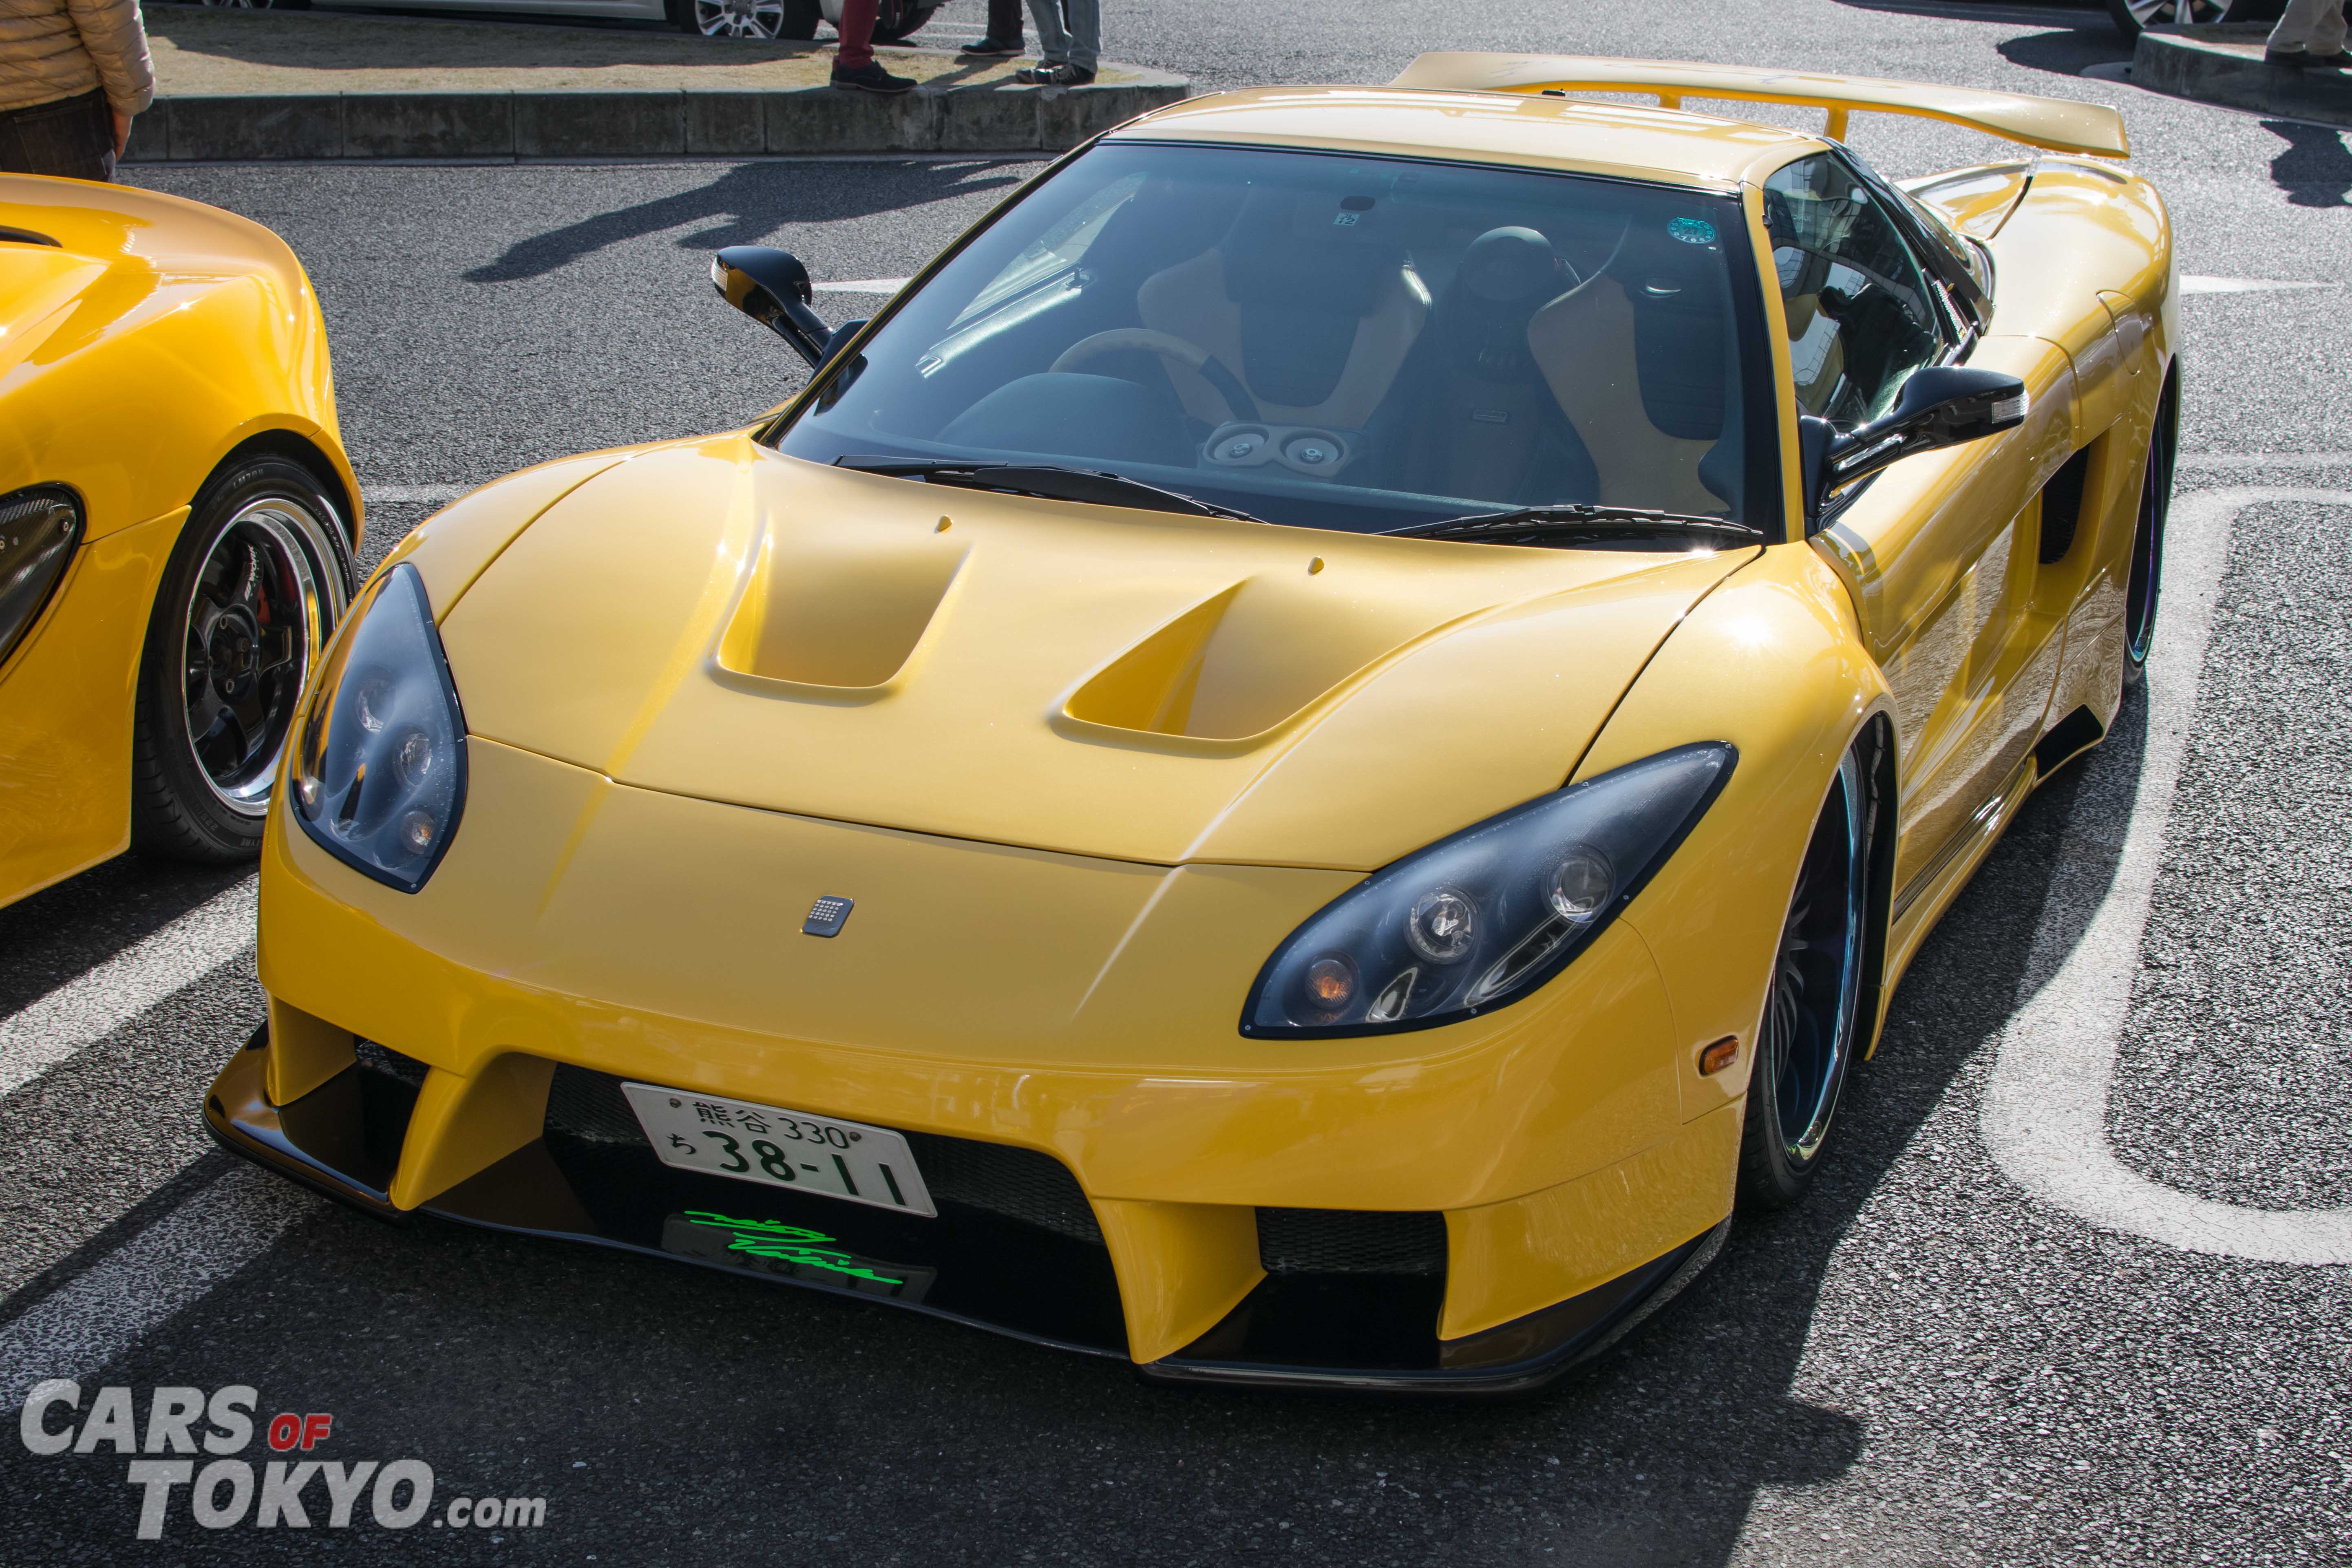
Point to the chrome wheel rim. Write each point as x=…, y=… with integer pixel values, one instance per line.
x=253, y=626
x=739, y=18
x=1808, y=1013
x=2147, y=555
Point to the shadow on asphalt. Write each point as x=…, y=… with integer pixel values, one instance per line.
x=2067, y=51
x=2315, y=169
x=60, y=932
x=743, y=206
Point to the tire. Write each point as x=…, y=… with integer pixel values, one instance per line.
x=1811, y=1030
x=762, y=21
x=909, y=21
x=2144, y=585
x=260, y=576
x=2132, y=18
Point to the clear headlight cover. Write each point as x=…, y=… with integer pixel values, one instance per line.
x=380, y=776
x=1480, y=919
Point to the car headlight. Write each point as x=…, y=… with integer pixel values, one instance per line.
x=38, y=529
x=1477, y=921
x=380, y=777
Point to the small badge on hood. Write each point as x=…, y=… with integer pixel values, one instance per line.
x=827, y=916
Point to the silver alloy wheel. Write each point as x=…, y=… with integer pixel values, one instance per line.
x=739, y=18
x=2181, y=13
x=1809, y=1025
x=257, y=619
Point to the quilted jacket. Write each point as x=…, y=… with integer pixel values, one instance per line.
x=60, y=48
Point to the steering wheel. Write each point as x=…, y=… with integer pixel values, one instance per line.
x=1239, y=404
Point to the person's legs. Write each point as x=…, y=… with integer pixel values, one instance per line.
x=1085, y=34
x=1053, y=41
x=2307, y=28
x=72, y=137
x=856, y=31
x=1004, y=21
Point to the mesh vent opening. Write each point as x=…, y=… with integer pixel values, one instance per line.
x=386, y=1062
x=1351, y=1241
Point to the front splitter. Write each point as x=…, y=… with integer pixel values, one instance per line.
x=1336, y=1334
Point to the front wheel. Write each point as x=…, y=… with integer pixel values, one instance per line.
x=1807, y=1038
x=2145, y=584
x=260, y=576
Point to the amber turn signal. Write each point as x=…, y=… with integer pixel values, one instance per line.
x=1719, y=1056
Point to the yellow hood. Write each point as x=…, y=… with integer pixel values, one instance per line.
x=720, y=621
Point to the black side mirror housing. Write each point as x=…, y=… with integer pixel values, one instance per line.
x=772, y=288
x=1941, y=406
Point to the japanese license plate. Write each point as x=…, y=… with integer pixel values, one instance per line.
x=780, y=1148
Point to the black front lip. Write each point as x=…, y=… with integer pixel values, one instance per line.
x=1363, y=1334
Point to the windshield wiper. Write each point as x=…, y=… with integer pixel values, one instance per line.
x=1530, y=522
x=1049, y=481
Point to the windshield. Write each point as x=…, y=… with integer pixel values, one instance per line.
x=1335, y=342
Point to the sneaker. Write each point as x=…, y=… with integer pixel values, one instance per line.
x=871, y=77
x=1063, y=75
x=992, y=48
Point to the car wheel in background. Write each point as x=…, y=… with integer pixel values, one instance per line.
x=259, y=578
x=2133, y=16
x=908, y=21
x=754, y=19
x=1810, y=1030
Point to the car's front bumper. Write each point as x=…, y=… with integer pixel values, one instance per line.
x=1341, y=1331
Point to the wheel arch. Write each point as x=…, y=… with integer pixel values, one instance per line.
x=1772, y=661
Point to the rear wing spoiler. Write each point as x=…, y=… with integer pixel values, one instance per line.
x=2055, y=124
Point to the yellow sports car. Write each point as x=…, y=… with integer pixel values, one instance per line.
x=1297, y=767
x=177, y=520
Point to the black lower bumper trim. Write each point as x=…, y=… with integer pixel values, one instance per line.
x=1381, y=1331
x=1359, y=1331
x=967, y=1267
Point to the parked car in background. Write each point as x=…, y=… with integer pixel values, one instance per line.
x=711, y=18
x=177, y=520
x=2134, y=17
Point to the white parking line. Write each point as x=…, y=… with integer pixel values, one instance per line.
x=109, y=1307
x=85, y=1009
x=2195, y=283
x=2045, y=1112
x=862, y=286
x=2254, y=462
x=393, y=495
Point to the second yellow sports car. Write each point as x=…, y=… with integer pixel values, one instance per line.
x=1299, y=766
x=177, y=520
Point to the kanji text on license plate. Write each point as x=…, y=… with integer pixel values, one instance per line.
x=780, y=1148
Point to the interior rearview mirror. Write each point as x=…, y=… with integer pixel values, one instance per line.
x=1941, y=405
x=772, y=288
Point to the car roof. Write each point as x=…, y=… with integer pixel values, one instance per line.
x=1533, y=131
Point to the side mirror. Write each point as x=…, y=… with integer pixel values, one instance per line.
x=1941, y=405
x=771, y=287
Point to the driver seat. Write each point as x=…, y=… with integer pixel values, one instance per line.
x=1307, y=298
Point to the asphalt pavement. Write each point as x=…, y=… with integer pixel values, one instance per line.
x=1939, y=1359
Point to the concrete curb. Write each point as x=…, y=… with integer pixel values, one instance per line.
x=685, y=122
x=2224, y=65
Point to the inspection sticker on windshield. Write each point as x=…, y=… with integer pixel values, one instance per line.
x=780, y=1148
x=1692, y=230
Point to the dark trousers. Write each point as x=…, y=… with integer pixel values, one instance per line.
x=71, y=137
x=1004, y=21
